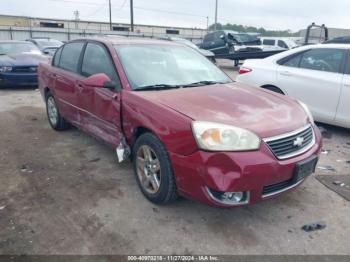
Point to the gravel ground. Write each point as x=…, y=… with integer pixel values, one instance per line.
x=65, y=193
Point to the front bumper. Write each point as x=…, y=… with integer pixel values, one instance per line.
x=259, y=173
x=18, y=79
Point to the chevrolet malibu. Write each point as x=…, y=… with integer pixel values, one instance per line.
x=187, y=127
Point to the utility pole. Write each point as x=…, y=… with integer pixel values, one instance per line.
x=132, y=15
x=207, y=24
x=216, y=14
x=110, y=16
x=76, y=18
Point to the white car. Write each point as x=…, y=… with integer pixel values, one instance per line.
x=318, y=75
x=279, y=43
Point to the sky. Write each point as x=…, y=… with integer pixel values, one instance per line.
x=270, y=14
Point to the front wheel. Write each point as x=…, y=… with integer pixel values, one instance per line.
x=153, y=170
x=56, y=121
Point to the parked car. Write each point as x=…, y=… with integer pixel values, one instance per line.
x=318, y=75
x=18, y=63
x=47, y=45
x=192, y=130
x=225, y=42
x=279, y=43
x=208, y=54
x=339, y=40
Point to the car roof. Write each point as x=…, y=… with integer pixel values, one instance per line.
x=305, y=47
x=128, y=41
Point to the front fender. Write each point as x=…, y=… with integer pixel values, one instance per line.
x=171, y=127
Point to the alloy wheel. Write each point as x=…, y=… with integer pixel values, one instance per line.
x=148, y=169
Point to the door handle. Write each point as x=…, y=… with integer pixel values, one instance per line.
x=347, y=85
x=286, y=73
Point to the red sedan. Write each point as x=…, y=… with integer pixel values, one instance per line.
x=188, y=128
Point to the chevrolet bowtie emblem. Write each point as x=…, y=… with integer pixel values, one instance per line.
x=298, y=141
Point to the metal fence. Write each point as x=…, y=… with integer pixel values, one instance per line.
x=67, y=34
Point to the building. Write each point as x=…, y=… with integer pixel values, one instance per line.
x=69, y=29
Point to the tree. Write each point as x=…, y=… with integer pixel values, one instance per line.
x=251, y=29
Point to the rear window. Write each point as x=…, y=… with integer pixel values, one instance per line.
x=70, y=56
x=282, y=44
x=56, y=59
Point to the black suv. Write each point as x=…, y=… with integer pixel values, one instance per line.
x=226, y=42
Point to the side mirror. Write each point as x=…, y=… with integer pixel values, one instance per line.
x=99, y=80
x=222, y=37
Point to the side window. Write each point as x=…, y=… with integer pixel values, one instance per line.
x=282, y=44
x=97, y=60
x=328, y=60
x=293, y=61
x=57, y=57
x=269, y=42
x=70, y=56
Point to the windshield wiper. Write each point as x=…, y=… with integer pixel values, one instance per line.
x=156, y=87
x=204, y=83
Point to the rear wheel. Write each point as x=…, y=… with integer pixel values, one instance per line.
x=56, y=121
x=153, y=170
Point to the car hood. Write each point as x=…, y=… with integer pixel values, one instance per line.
x=206, y=53
x=22, y=60
x=262, y=112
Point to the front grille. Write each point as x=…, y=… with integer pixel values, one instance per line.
x=279, y=187
x=24, y=69
x=292, y=144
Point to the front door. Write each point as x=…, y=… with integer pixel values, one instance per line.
x=100, y=108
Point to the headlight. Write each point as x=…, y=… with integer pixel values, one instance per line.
x=219, y=137
x=5, y=68
x=307, y=111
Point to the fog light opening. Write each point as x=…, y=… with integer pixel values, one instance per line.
x=229, y=198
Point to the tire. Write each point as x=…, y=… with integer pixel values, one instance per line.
x=274, y=89
x=57, y=122
x=148, y=171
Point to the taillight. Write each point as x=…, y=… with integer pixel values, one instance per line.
x=244, y=70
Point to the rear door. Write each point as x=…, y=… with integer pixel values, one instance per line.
x=343, y=112
x=100, y=107
x=314, y=77
x=65, y=77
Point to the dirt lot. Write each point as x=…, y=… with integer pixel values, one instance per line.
x=65, y=193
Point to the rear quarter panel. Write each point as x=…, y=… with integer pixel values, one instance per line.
x=44, y=77
x=264, y=72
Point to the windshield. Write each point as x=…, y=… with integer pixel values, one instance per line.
x=152, y=65
x=243, y=38
x=18, y=48
x=49, y=42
